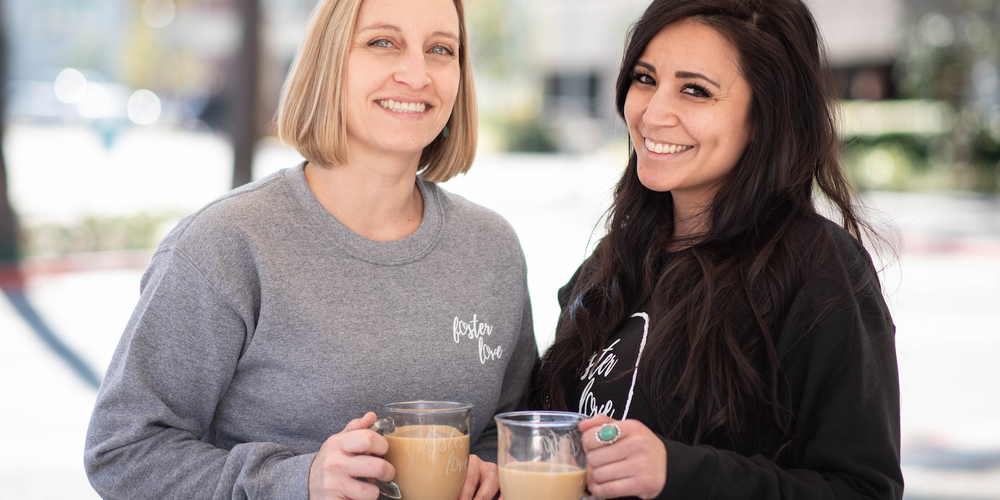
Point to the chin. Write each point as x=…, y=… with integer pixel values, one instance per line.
x=654, y=182
x=406, y=146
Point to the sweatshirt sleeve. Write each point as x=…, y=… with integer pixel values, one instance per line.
x=174, y=362
x=514, y=391
x=839, y=360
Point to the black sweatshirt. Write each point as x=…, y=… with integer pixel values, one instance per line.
x=840, y=381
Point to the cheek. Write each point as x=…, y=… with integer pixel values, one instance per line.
x=737, y=138
x=446, y=82
x=635, y=108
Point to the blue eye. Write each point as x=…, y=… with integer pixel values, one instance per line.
x=441, y=50
x=381, y=43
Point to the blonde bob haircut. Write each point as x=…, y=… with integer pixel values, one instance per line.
x=311, y=114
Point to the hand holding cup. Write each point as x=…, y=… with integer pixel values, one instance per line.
x=482, y=481
x=350, y=454
x=626, y=459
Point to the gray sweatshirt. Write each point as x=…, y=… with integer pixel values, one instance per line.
x=264, y=325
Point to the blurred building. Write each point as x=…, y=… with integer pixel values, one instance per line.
x=922, y=73
x=574, y=48
x=179, y=50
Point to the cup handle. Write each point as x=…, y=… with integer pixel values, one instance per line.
x=387, y=489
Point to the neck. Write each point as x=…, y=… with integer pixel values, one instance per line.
x=376, y=199
x=690, y=220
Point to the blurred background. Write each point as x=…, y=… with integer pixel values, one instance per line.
x=121, y=116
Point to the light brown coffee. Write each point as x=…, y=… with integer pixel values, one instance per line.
x=542, y=481
x=430, y=461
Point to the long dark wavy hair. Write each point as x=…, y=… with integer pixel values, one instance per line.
x=717, y=305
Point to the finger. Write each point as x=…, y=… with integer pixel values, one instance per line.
x=361, y=423
x=614, y=471
x=613, y=489
x=592, y=426
x=591, y=441
x=370, y=466
x=636, y=442
x=599, y=454
x=362, y=441
x=342, y=486
x=360, y=466
x=594, y=422
x=489, y=482
x=471, y=479
x=357, y=489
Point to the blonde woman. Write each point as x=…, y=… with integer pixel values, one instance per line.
x=274, y=320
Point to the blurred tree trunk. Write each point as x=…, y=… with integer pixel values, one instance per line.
x=246, y=88
x=12, y=279
x=8, y=223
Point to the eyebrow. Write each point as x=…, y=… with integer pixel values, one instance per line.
x=389, y=27
x=689, y=74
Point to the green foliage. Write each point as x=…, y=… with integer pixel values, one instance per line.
x=913, y=163
x=490, y=35
x=949, y=53
x=529, y=136
x=93, y=234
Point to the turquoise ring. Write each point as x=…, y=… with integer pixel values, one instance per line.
x=608, y=433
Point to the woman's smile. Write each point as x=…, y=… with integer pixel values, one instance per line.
x=664, y=147
x=403, y=106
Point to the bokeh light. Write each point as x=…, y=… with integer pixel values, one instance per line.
x=96, y=102
x=937, y=30
x=158, y=13
x=71, y=86
x=143, y=107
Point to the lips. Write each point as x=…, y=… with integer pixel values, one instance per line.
x=665, y=148
x=402, y=107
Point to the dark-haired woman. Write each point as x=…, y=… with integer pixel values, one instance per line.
x=729, y=340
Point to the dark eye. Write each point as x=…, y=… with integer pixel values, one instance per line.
x=643, y=78
x=696, y=91
x=381, y=43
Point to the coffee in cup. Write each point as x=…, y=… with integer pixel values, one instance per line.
x=541, y=455
x=428, y=447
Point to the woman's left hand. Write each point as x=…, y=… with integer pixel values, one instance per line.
x=634, y=465
x=482, y=480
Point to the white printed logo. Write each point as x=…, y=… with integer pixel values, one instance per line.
x=476, y=330
x=450, y=444
x=602, y=365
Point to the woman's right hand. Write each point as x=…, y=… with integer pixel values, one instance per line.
x=634, y=464
x=346, y=456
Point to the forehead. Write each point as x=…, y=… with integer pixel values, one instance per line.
x=691, y=45
x=429, y=15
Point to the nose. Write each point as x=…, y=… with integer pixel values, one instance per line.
x=662, y=109
x=412, y=70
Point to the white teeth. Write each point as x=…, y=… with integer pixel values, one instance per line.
x=665, y=148
x=402, y=107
